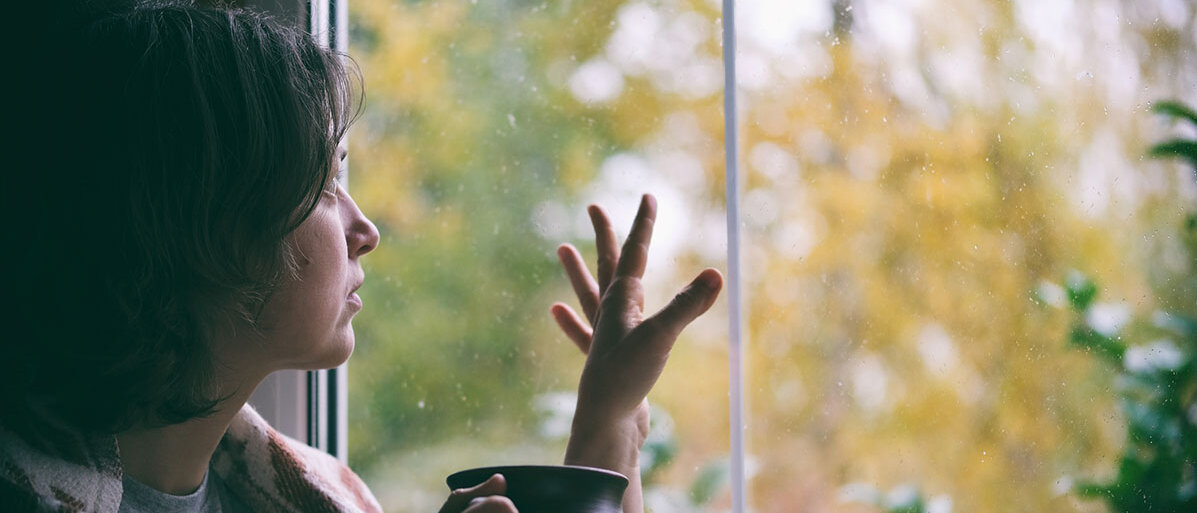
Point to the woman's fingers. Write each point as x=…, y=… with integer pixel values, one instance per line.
x=462, y=498
x=492, y=504
x=579, y=277
x=686, y=306
x=634, y=256
x=573, y=326
x=608, y=248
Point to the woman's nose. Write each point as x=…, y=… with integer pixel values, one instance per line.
x=362, y=236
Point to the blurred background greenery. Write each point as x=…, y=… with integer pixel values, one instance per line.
x=921, y=175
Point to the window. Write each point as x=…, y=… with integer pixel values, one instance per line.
x=917, y=177
x=309, y=405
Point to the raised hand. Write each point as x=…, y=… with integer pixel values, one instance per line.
x=626, y=351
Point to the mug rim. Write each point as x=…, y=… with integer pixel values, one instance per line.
x=504, y=469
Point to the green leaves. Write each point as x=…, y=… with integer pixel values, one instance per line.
x=1176, y=148
x=710, y=481
x=1175, y=110
x=661, y=446
x=1088, y=338
x=1081, y=290
x=1156, y=383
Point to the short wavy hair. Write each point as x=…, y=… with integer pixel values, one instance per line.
x=180, y=147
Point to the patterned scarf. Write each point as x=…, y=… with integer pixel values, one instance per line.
x=56, y=469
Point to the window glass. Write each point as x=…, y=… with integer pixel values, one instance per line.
x=488, y=127
x=922, y=177
x=923, y=180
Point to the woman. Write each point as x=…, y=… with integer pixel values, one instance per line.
x=184, y=235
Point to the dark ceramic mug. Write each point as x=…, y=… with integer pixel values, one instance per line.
x=552, y=488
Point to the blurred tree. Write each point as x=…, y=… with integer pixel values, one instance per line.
x=912, y=170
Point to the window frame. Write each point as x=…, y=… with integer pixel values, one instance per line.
x=310, y=406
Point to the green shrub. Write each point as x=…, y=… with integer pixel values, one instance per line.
x=1156, y=384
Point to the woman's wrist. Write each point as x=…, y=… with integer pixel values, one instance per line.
x=612, y=446
x=608, y=445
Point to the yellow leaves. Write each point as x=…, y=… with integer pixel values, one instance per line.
x=407, y=62
x=577, y=164
x=383, y=182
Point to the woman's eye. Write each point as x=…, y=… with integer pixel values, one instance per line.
x=333, y=184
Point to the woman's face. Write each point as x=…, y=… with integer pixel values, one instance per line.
x=306, y=321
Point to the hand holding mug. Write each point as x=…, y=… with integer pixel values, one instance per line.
x=486, y=497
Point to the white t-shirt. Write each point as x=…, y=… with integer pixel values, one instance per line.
x=212, y=496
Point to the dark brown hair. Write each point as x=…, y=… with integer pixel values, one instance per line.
x=182, y=146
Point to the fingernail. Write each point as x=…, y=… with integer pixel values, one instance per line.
x=710, y=280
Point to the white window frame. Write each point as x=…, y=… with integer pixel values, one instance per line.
x=310, y=406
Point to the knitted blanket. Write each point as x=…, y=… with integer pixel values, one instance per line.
x=59, y=470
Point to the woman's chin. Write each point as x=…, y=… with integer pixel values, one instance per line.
x=332, y=355
x=340, y=353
